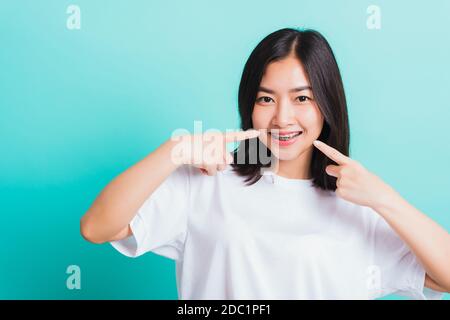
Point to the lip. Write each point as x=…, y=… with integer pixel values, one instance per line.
x=282, y=143
x=284, y=132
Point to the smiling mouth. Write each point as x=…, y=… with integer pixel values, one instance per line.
x=285, y=136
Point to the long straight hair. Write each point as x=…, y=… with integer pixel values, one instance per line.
x=319, y=62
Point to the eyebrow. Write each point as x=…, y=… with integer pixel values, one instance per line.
x=297, y=89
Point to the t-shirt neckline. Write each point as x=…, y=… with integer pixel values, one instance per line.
x=280, y=180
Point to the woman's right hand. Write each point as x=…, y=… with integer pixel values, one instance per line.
x=208, y=151
x=109, y=216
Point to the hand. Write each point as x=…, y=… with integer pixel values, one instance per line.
x=354, y=182
x=208, y=151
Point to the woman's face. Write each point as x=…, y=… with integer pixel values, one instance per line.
x=284, y=104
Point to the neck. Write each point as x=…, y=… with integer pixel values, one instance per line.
x=298, y=168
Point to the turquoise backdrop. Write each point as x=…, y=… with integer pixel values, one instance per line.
x=79, y=106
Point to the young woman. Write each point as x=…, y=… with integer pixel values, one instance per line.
x=311, y=223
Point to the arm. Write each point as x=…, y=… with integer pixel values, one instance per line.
x=109, y=216
x=430, y=283
x=428, y=240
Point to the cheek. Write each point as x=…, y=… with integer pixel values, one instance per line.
x=311, y=119
x=261, y=118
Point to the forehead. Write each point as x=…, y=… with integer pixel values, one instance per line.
x=284, y=74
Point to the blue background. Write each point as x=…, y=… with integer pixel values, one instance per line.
x=77, y=107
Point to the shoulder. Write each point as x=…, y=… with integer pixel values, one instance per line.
x=199, y=181
x=195, y=174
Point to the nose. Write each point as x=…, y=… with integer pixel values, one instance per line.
x=284, y=115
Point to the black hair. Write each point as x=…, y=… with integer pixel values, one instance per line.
x=319, y=62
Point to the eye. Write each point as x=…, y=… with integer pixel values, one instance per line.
x=303, y=98
x=264, y=99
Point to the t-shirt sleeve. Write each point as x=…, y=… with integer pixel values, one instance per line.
x=160, y=224
x=400, y=272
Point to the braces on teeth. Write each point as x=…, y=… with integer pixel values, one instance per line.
x=287, y=137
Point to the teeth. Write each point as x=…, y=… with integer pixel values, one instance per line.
x=285, y=137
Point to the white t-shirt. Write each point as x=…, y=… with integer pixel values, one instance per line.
x=279, y=238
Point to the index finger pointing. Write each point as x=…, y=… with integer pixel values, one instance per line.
x=241, y=135
x=331, y=152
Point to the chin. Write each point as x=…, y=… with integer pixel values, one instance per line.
x=286, y=155
x=289, y=153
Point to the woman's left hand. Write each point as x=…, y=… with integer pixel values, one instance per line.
x=354, y=182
